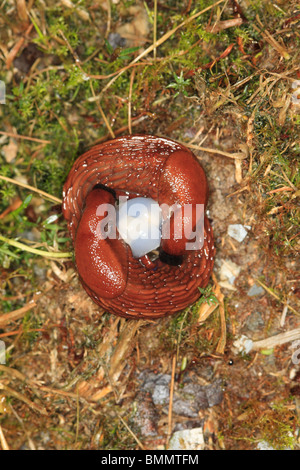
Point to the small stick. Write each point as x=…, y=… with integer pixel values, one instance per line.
x=221, y=25
x=239, y=156
x=131, y=432
x=16, y=314
x=108, y=24
x=270, y=39
x=78, y=63
x=245, y=188
x=77, y=414
x=31, y=188
x=277, y=340
x=25, y=137
x=14, y=372
x=278, y=190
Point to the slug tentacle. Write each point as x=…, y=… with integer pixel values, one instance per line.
x=149, y=167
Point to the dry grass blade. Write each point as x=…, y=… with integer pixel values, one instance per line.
x=22, y=10
x=278, y=190
x=16, y=203
x=9, y=391
x=123, y=349
x=129, y=101
x=3, y=442
x=222, y=341
x=271, y=40
x=236, y=155
x=158, y=43
x=16, y=48
x=207, y=309
x=103, y=114
x=171, y=400
x=115, y=349
x=155, y=29
x=277, y=340
x=131, y=432
x=10, y=317
x=25, y=137
x=31, y=188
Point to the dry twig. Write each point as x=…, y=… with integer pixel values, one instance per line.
x=131, y=432
x=171, y=399
x=9, y=317
x=236, y=155
x=25, y=137
x=277, y=340
x=31, y=188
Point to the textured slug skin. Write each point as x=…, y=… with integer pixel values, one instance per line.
x=102, y=266
x=148, y=166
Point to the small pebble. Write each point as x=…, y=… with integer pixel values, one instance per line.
x=255, y=290
x=187, y=439
x=237, y=231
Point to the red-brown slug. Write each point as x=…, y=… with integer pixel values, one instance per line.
x=139, y=166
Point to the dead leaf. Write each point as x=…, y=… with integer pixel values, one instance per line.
x=137, y=30
x=10, y=151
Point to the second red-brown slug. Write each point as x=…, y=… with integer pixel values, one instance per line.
x=138, y=166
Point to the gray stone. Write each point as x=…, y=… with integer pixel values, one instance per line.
x=237, y=231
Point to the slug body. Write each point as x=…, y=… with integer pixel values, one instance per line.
x=131, y=167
